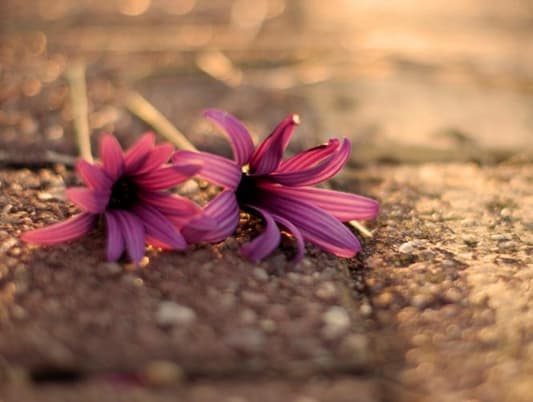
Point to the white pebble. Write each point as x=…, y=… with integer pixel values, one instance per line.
x=500, y=237
x=189, y=187
x=260, y=274
x=170, y=313
x=406, y=248
x=336, y=321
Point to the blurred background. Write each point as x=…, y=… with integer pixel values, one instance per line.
x=407, y=81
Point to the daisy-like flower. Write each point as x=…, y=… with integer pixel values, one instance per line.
x=130, y=190
x=259, y=181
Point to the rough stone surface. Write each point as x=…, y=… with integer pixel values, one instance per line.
x=342, y=389
x=448, y=320
x=455, y=313
x=206, y=308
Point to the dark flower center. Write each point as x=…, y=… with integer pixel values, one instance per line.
x=123, y=194
x=247, y=191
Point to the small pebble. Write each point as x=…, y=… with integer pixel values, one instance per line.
x=278, y=261
x=45, y=196
x=248, y=316
x=132, y=266
x=293, y=276
x=326, y=291
x=355, y=346
x=508, y=245
x=18, y=312
x=246, y=340
x=453, y=295
x=162, y=373
x=421, y=300
x=500, y=237
x=505, y=213
x=305, y=399
x=8, y=244
x=488, y=336
x=234, y=398
x=366, y=310
x=268, y=325
x=384, y=299
x=406, y=248
x=449, y=263
x=15, y=251
x=470, y=240
x=418, y=242
x=336, y=321
x=254, y=299
x=170, y=313
x=189, y=187
x=113, y=268
x=260, y=274
x=133, y=280
x=469, y=222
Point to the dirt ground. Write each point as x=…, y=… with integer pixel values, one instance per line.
x=437, y=102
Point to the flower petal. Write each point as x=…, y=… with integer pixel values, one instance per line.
x=89, y=200
x=111, y=154
x=74, y=227
x=93, y=176
x=240, y=139
x=300, y=246
x=135, y=155
x=155, y=242
x=267, y=156
x=309, y=158
x=196, y=230
x=167, y=176
x=155, y=158
x=265, y=243
x=318, y=173
x=225, y=210
x=132, y=229
x=316, y=225
x=170, y=203
x=216, y=169
x=343, y=206
x=159, y=227
x=115, y=239
x=339, y=251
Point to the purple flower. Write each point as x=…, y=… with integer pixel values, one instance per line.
x=129, y=190
x=279, y=191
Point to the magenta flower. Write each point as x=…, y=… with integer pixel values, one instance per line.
x=129, y=190
x=260, y=182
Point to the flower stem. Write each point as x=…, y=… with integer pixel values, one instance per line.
x=145, y=111
x=361, y=229
x=78, y=97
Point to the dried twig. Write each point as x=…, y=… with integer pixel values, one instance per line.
x=145, y=111
x=361, y=229
x=217, y=65
x=78, y=96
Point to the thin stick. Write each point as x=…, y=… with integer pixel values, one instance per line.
x=35, y=159
x=361, y=228
x=78, y=97
x=217, y=65
x=144, y=110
